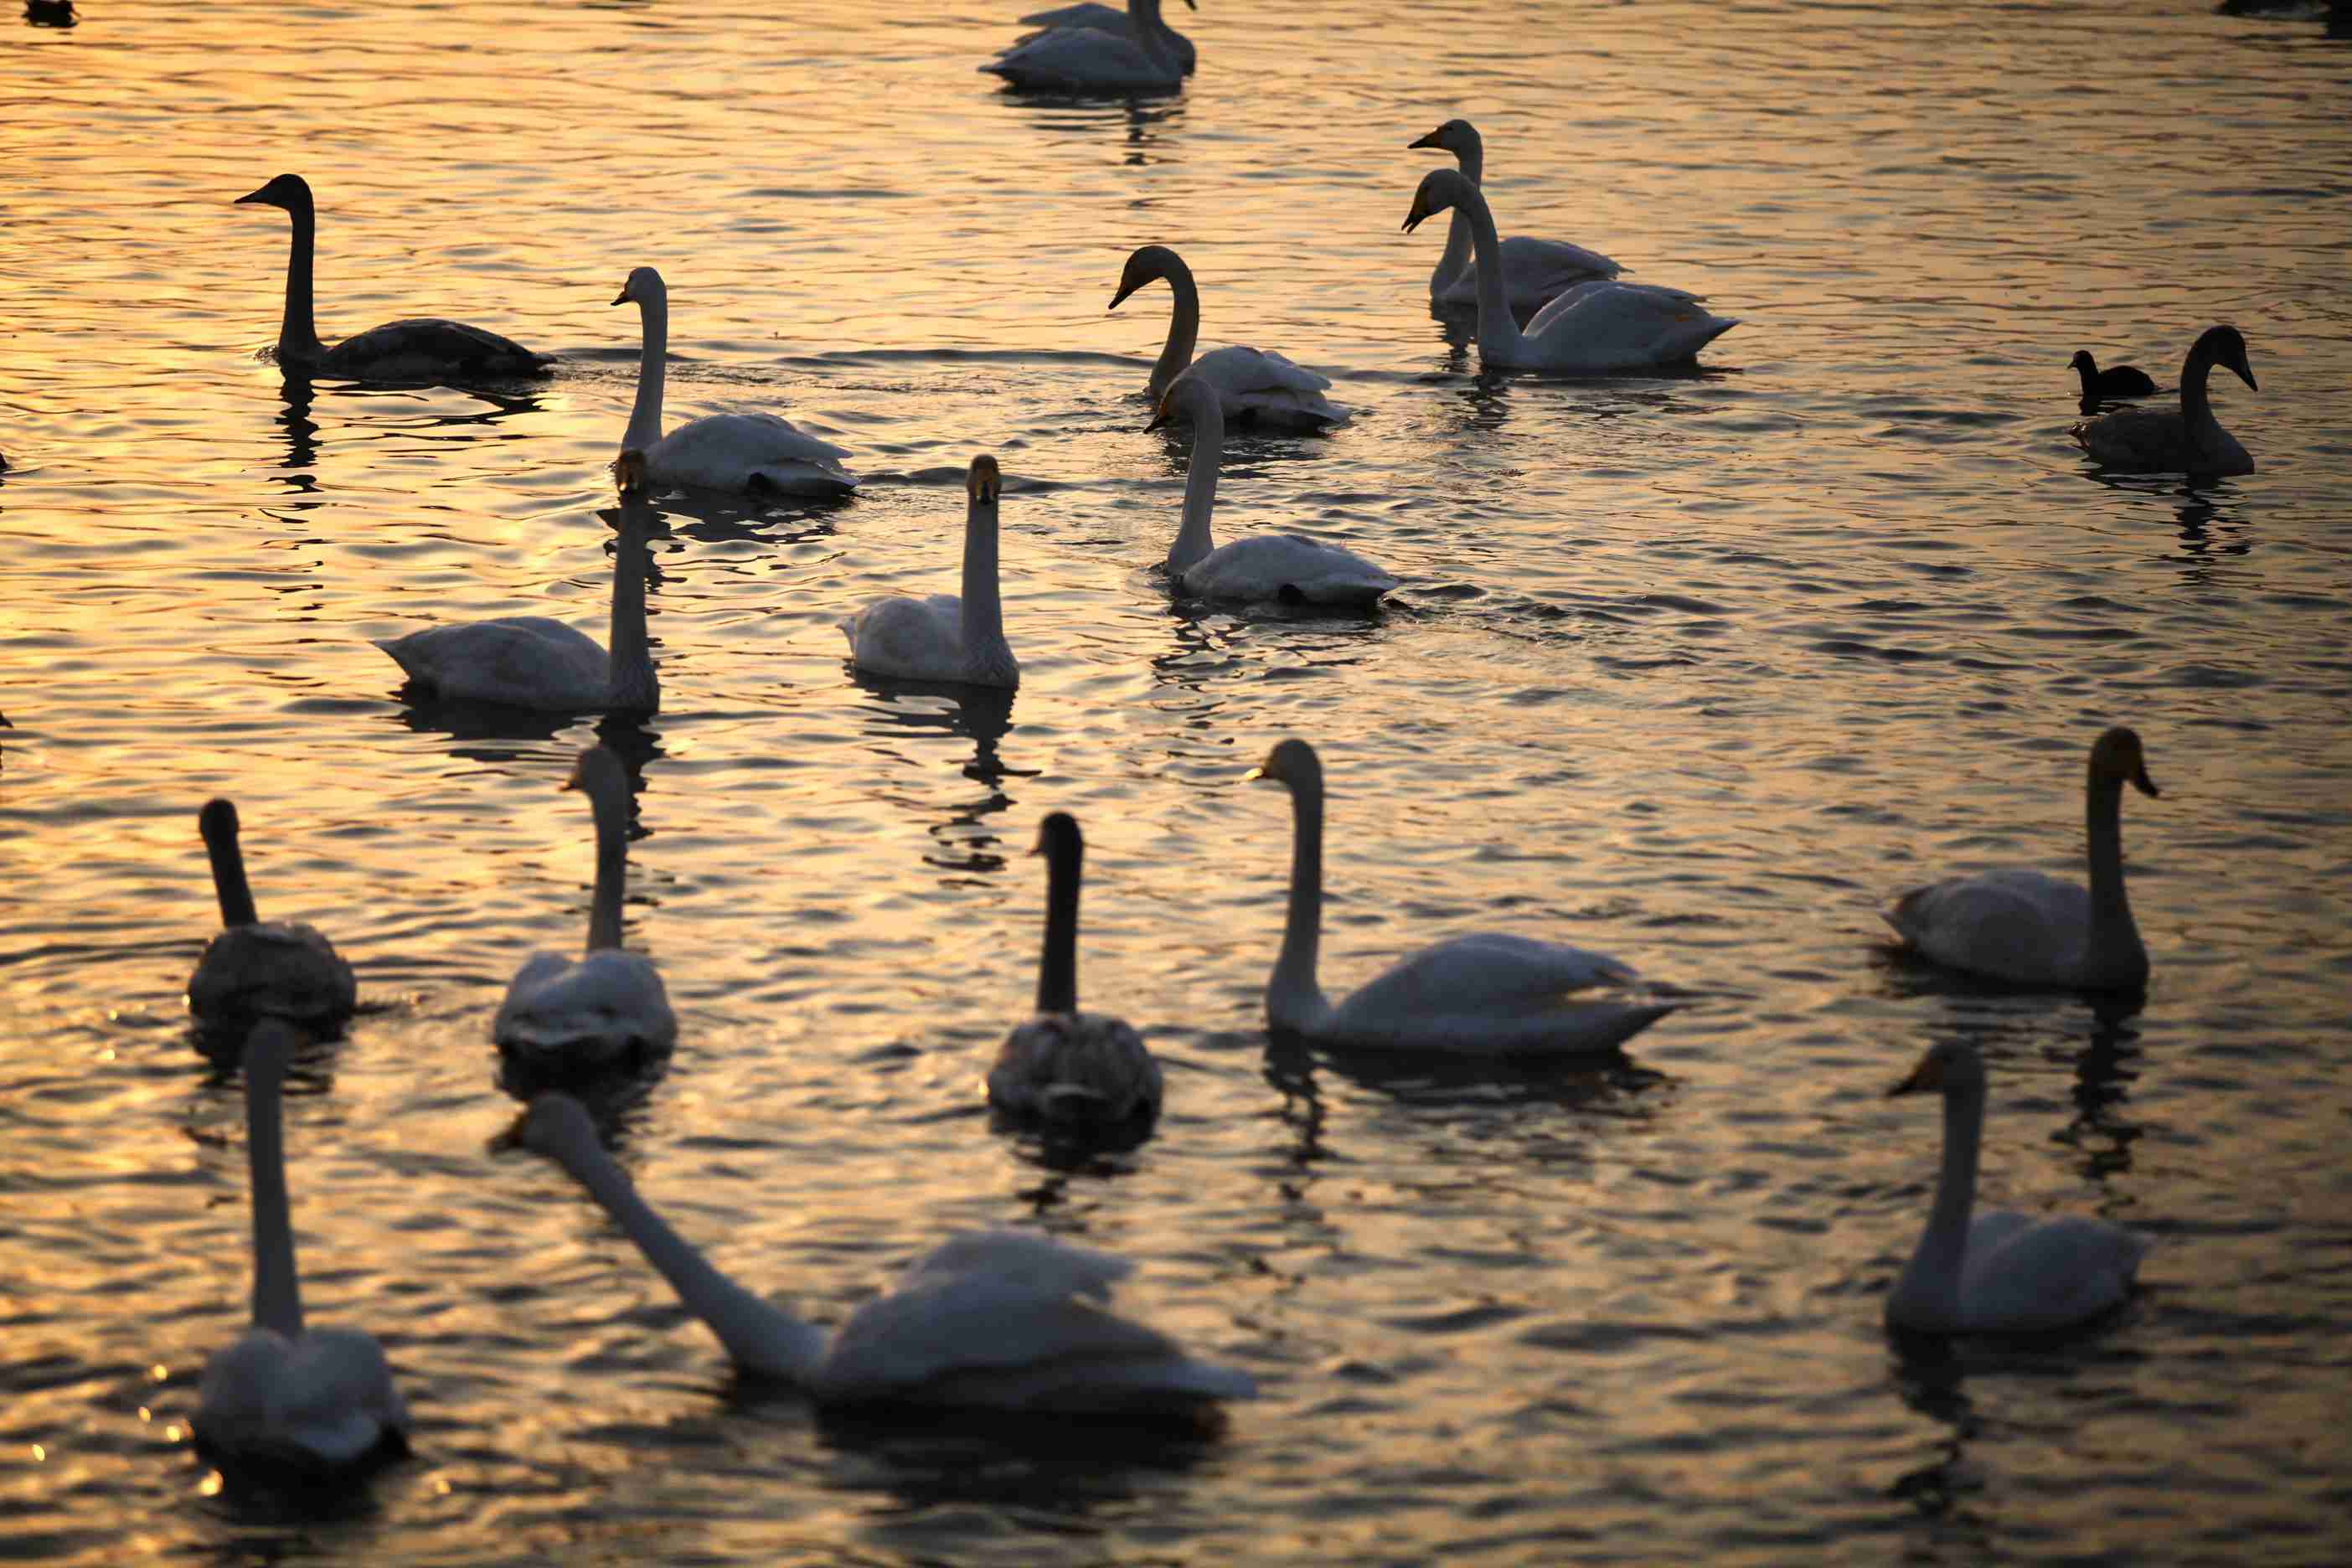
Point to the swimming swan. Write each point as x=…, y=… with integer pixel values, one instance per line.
x=1999, y=1272
x=945, y=637
x=284, y=1393
x=1138, y=58
x=1485, y=994
x=1138, y=16
x=750, y=453
x=1289, y=568
x=1593, y=329
x=2191, y=441
x=530, y=661
x=588, y=1013
x=1000, y=1320
x=2035, y=930
x=283, y=969
x=1063, y=1065
x=1534, y=271
x=2115, y=381
x=420, y=348
x=1257, y=387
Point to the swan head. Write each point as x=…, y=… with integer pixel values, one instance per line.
x=552, y=1123
x=1440, y=189
x=217, y=822
x=2083, y=363
x=1949, y=1067
x=2225, y=346
x=629, y=472
x=1292, y=762
x=1184, y=400
x=2116, y=760
x=1458, y=137
x=982, y=482
x=1058, y=838
x=1146, y=263
x=291, y=191
x=597, y=772
x=645, y=286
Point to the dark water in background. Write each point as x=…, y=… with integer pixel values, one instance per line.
x=1697, y=670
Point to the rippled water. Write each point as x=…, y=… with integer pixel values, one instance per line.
x=1695, y=669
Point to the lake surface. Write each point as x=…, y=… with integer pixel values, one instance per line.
x=1698, y=671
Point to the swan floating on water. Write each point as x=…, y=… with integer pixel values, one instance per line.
x=2189, y=441
x=1257, y=386
x=1593, y=329
x=587, y=1014
x=759, y=454
x=284, y=1393
x=1139, y=56
x=946, y=637
x=421, y=348
x=1485, y=995
x=1063, y=1065
x=2115, y=381
x=999, y=1321
x=1534, y=271
x=282, y=969
x=2031, y=929
x=1999, y=1272
x=1139, y=16
x=1285, y=568
x=531, y=661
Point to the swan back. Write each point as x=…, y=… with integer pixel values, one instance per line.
x=253, y=969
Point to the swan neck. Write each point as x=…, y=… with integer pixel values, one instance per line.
x=277, y=1294
x=629, y=661
x=983, y=610
x=2104, y=830
x=1495, y=327
x=1058, y=969
x=1293, y=995
x=1193, y=540
x=2196, y=400
x=298, y=332
x=1184, y=327
x=645, y=415
x=611, y=806
x=1451, y=265
x=1943, y=1247
x=229, y=886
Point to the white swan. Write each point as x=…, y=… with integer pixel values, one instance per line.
x=283, y=969
x=945, y=637
x=1593, y=329
x=2188, y=441
x=1288, y=568
x=753, y=453
x=1534, y=271
x=282, y=1392
x=1999, y=1272
x=2036, y=929
x=1257, y=386
x=1000, y=1321
x=1139, y=16
x=530, y=661
x=1485, y=994
x=1137, y=56
x=1065, y=1066
x=420, y=348
x=589, y=1013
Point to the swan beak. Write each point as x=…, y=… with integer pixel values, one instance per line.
x=2245, y=372
x=1928, y=1075
x=1160, y=420
x=1412, y=219
x=1428, y=141
x=261, y=195
x=2144, y=785
x=622, y=297
x=1125, y=288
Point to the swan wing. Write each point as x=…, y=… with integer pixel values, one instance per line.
x=1534, y=271
x=527, y=661
x=426, y=347
x=1288, y=568
x=1490, y=994
x=2023, y=1274
x=1655, y=294
x=1076, y=1067
x=585, y=1013
x=2011, y=924
x=1260, y=386
x=915, y=640
x=2137, y=439
x=749, y=452
x=1043, y=1265
x=1084, y=60
x=1104, y=19
x=277, y=969
x=1597, y=328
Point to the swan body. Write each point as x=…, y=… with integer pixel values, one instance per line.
x=1485, y=995
x=2031, y=929
x=762, y=454
x=530, y=661
x=253, y=969
x=1063, y=1065
x=2191, y=440
x=946, y=637
x=609, y=1006
x=417, y=349
x=1999, y=1272
x=1288, y=568
x=1103, y=18
x=2115, y=381
x=1137, y=56
x=283, y=1392
x=1534, y=271
x=1000, y=1320
x=1255, y=386
x=1598, y=328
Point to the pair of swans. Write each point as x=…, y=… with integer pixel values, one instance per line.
x=1999, y=1271
x=946, y=637
x=608, y=1008
x=2188, y=441
x=1092, y=49
x=1534, y=271
x=420, y=348
x=531, y=661
x=1257, y=386
x=283, y=1392
x=999, y=1321
x=1596, y=328
x=1482, y=995
x=2031, y=929
x=253, y=969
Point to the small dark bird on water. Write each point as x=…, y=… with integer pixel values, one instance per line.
x=2115, y=381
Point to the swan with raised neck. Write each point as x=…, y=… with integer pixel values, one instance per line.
x=1534, y=271
x=2189, y=439
x=956, y=639
x=1256, y=387
x=253, y=969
